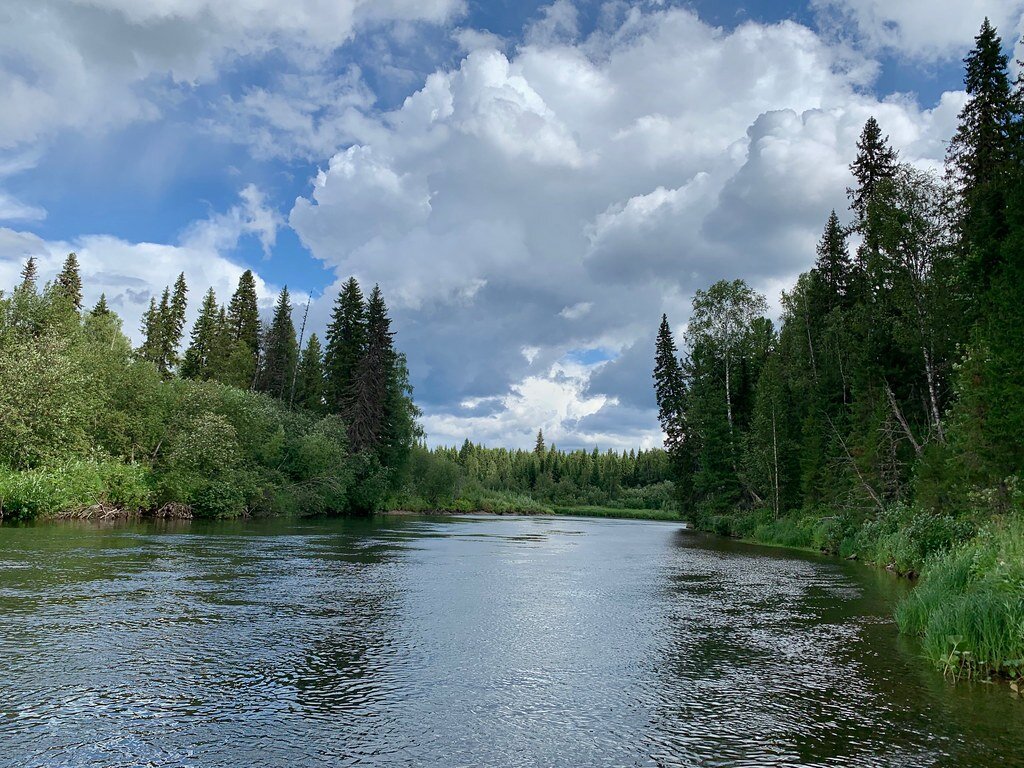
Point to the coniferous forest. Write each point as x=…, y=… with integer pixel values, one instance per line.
x=884, y=418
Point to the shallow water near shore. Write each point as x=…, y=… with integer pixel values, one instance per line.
x=463, y=641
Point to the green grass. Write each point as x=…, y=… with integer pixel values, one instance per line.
x=968, y=608
x=630, y=514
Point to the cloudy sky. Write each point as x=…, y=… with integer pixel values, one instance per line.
x=531, y=184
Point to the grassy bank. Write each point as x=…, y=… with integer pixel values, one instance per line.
x=614, y=512
x=968, y=605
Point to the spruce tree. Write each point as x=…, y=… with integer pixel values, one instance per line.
x=281, y=350
x=833, y=265
x=346, y=345
x=374, y=374
x=243, y=312
x=669, y=387
x=200, y=356
x=152, y=332
x=309, y=385
x=978, y=156
x=244, y=322
x=101, y=309
x=875, y=162
x=538, y=445
x=29, y=275
x=69, y=282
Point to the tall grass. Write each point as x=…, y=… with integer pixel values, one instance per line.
x=968, y=608
x=73, y=488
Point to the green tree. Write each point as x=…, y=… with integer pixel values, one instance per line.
x=101, y=309
x=875, y=162
x=281, y=355
x=69, y=282
x=244, y=322
x=309, y=385
x=346, y=345
x=199, y=361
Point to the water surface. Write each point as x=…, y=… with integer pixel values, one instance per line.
x=463, y=642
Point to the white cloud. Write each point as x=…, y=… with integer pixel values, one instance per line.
x=92, y=65
x=562, y=197
x=130, y=273
x=928, y=29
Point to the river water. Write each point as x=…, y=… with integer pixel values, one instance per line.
x=473, y=641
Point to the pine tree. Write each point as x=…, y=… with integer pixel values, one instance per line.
x=69, y=281
x=199, y=358
x=281, y=353
x=309, y=385
x=374, y=372
x=346, y=344
x=101, y=309
x=875, y=162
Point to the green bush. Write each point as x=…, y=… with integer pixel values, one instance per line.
x=71, y=488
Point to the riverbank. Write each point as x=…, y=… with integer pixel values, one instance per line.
x=967, y=606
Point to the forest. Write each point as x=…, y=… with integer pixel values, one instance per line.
x=884, y=418
x=242, y=421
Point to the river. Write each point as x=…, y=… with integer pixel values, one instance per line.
x=471, y=641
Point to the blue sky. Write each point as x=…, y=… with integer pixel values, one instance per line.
x=531, y=183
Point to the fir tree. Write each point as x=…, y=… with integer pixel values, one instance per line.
x=151, y=333
x=199, y=361
x=346, y=344
x=875, y=162
x=669, y=388
x=69, y=282
x=281, y=354
x=538, y=445
x=309, y=385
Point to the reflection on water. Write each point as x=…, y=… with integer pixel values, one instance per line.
x=473, y=641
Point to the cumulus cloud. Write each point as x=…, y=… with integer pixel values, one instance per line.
x=928, y=29
x=561, y=197
x=95, y=64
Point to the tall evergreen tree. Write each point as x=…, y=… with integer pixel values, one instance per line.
x=374, y=373
x=29, y=275
x=346, y=345
x=281, y=353
x=152, y=333
x=244, y=322
x=833, y=266
x=978, y=156
x=69, y=281
x=101, y=309
x=875, y=162
x=538, y=445
x=309, y=384
x=199, y=360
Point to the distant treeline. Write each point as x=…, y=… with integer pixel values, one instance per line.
x=473, y=477
x=885, y=418
x=240, y=422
